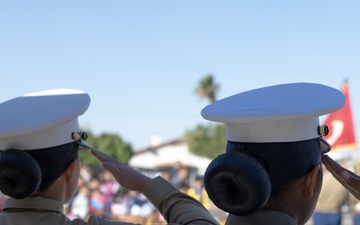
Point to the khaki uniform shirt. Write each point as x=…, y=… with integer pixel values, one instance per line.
x=176, y=207
x=262, y=217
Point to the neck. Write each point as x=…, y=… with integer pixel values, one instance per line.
x=56, y=191
x=284, y=202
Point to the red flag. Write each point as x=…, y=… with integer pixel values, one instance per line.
x=341, y=127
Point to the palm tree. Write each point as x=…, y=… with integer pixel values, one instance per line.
x=207, y=88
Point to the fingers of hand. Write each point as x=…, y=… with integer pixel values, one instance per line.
x=97, y=154
x=339, y=171
x=348, y=179
x=111, y=167
x=101, y=156
x=352, y=183
x=335, y=169
x=331, y=165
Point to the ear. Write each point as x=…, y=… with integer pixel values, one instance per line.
x=311, y=180
x=70, y=170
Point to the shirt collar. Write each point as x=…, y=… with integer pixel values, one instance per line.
x=263, y=216
x=39, y=203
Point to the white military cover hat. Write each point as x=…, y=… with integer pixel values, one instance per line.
x=42, y=119
x=280, y=113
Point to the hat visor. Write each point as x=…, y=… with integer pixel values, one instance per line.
x=324, y=145
x=83, y=145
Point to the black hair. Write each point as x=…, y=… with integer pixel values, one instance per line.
x=241, y=180
x=22, y=173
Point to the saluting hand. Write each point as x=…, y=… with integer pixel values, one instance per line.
x=124, y=174
x=348, y=179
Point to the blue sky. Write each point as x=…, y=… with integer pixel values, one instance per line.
x=140, y=61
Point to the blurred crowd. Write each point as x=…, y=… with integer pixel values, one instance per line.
x=100, y=194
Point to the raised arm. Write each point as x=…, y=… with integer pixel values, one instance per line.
x=348, y=179
x=176, y=207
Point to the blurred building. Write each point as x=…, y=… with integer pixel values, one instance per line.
x=169, y=156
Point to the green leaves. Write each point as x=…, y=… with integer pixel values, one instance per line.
x=110, y=144
x=208, y=141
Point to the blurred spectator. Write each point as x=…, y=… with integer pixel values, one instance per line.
x=97, y=203
x=332, y=197
x=181, y=176
x=80, y=203
x=108, y=187
x=139, y=207
x=355, y=209
x=166, y=175
x=156, y=218
x=102, y=196
x=119, y=207
x=86, y=173
x=198, y=192
x=183, y=187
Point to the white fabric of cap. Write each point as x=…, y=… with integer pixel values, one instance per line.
x=41, y=119
x=280, y=113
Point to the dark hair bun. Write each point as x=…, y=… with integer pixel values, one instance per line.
x=237, y=183
x=20, y=175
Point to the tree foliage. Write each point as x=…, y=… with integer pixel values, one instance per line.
x=207, y=140
x=110, y=144
x=207, y=88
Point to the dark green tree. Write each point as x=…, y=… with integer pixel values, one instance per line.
x=207, y=140
x=110, y=144
x=207, y=88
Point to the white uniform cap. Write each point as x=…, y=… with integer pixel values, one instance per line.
x=280, y=113
x=41, y=119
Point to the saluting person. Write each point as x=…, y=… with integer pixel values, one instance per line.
x=271, y=171
x=39, y=164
